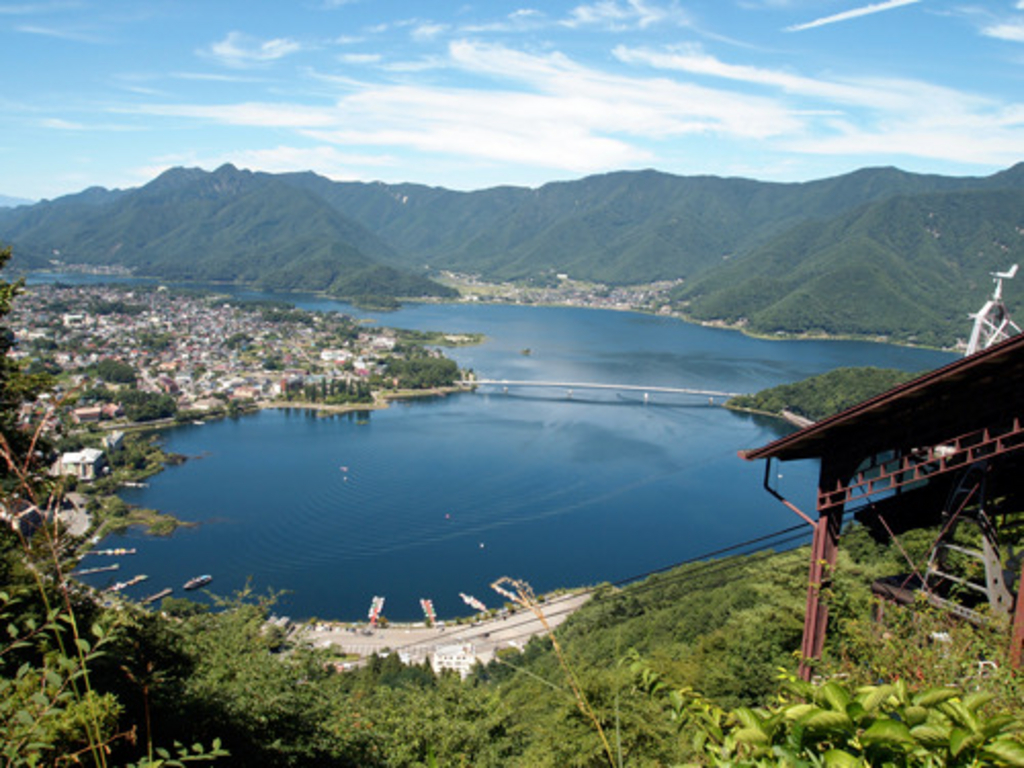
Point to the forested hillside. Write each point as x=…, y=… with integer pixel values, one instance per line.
x=229, y=225
x=821, y=396
x=657, y=668
x=878, y=252
x=908, y=269
x=626, y=227
x=690, y=665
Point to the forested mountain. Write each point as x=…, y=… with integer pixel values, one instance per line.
x=877, y=252
x=621, y=228
x=228, y=225
x=910, y=268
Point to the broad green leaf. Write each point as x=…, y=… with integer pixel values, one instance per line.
x=901, y=690
x=975, y=701
x=825, y=720
x=856, y=710
x=836, y=758
x=996, y=724
x=1006, y=751
x=796, y=711
x=748, y=717
x=886, y=732
x=835, y=695
x=961, y=739
x=874, y=699
x=933, y=696
x=957, y=712
x=914, y=715
x=751, y=736
x=930, y=735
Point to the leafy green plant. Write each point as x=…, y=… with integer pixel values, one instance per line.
x=840, y=724
x=53, y=636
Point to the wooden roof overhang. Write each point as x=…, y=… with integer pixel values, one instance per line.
x=893, y=450
x=970, y=409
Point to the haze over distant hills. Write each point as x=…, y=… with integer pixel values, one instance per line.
x=10, y=202
x=877, y=252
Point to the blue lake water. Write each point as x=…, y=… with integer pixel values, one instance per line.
x=435, y=497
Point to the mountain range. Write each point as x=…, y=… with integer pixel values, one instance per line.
x=878, y=252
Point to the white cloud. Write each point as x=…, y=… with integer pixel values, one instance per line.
x=215, y=77
x=74, y=35
x=854, y=13
x=617, y=16
x=32, y=9
x=868, y=116
x=877, y=94
x=60, y=124
x=958, y=143
x=560, y=116
x=428, y=31
x=1007, y=30
x=522, y=20
x=240, y=50
x=359, y=58
x=552, y=113
x=271, y=115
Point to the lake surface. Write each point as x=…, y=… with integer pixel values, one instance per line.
x=435, y=497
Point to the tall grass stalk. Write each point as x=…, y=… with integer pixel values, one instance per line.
x=521, y=593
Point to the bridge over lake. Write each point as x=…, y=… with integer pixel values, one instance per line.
x=571, y=386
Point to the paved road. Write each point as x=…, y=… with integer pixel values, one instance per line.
x=76, y=520
x=416, y=640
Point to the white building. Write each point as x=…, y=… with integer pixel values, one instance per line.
x=460, y=658
x=84, y=464
x=334, y=355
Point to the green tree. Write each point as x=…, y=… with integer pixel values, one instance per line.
x=114, y=371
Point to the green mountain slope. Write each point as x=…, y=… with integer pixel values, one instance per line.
x=228, y=225
x=624, y=227
x=877, y=252
x=911, y=268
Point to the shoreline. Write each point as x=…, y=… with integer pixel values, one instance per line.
x=381, y=401
x=675, y=315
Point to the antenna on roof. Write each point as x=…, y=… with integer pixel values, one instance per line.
x=993, y=324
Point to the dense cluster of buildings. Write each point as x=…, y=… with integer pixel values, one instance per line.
x=563, y=290
x=202, y=351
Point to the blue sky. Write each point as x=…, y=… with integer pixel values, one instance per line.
x=469, y=95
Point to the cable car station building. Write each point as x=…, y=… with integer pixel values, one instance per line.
x=944, y=450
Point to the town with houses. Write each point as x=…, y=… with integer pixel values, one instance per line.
x=124, y=357
x=127, y=359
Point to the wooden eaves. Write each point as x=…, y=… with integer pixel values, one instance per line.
x=929, y=429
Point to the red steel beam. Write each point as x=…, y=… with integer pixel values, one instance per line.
x=1017, y=636
x=823, y=559
x=922, y=464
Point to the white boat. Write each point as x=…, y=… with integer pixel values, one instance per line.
x=198, y=581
